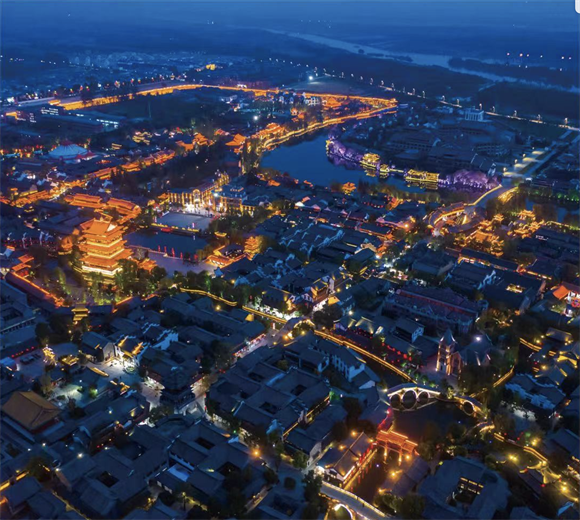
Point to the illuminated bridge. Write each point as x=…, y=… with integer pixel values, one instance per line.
x=412, y=396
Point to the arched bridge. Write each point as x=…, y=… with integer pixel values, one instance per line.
x=412, y=396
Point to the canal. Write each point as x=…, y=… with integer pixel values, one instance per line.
x=383, y=473
x=412, y=423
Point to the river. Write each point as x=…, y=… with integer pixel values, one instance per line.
x=421, y=59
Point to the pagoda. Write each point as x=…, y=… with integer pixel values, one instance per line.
x=102, y=247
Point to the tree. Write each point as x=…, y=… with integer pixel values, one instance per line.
x=282, y=364
x=310, y=512
x=59, y=276
x=270, y=476
x=45, y=383
x=159, y=412
x=86, y=95
x=326, y=317
x=412, y=506
x=299, y=460
x=455, y=432
x=315, y=504
x=42, y=331
x=38, y=467
x=339, y=431
x=390, y=503
x=197, y=513
x=504, y=423
x=430, y=440
x=222, y=355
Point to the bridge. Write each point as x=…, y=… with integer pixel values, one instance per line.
x=357, y=504
x=201, y=292
x=438, y=217
x=412, y=395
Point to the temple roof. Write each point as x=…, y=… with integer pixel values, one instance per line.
x=30, y=410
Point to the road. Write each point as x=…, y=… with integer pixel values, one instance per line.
x=491, y=194
x=357, y=504
x=75, y=103
x=530, y=164
x=331, y=337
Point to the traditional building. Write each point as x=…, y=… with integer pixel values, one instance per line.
x=447, y=347
x=102, y=247
x=424, y=179
x=201, y=195
x=253, y=246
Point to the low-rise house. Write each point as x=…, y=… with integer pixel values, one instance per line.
x=282, y=503
x=340, y=463
x=564, y=443
x=536, y=395
x=97, y=347
x=464, y=488
x=433, y=264
x=347, y=362
x=158, y=511
x=514, y=291
x=469, y=277
x=314, y=438
x=305, y=357
x=440, y=308
x=202, y=456
x=264, y=397
x=17, y=322
x=109, y=416
x=499, y=264
x=18, y=495
x=408, y=330
x=112, y=485
x=411, y=478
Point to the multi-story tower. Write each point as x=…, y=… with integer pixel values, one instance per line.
x=102, y=247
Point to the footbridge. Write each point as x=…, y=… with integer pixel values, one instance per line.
x=357, y=504
x=439, y=216
x=413, y=396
